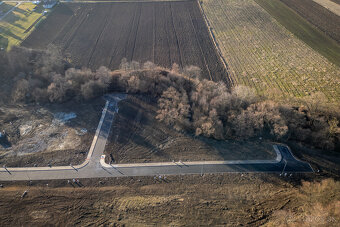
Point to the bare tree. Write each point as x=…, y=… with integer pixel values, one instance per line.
x=174, y=109
x=21, y=90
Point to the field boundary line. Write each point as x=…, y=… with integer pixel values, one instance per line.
x=200, y=47
x=34, y=24
x=329, y=5
x=177, y=40
x=212, y=37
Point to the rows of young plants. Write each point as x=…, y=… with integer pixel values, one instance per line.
x=263, y=54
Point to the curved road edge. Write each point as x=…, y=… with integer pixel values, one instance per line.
x=95, y=167
x=76, y=167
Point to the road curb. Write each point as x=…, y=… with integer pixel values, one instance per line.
x=193, y=163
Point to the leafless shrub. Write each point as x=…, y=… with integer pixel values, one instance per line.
x=40, y=95
x=175, y=68
x=92, y=89
x=20, y=91
x=149, y=65
x=320, y=206
x=202, y=107
x=243, y=96
x=215, y=112
x=174, y=109
x=257, y=118
x=57, y=90
x=124, y=65
x=192, y=71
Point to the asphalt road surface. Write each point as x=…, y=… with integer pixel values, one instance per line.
x=95, y=167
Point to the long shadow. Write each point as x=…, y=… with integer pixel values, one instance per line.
x=19, y=10
x=7, y=32
x=3, y=41
x=19, y=26
x=117, y=169
x=8, y=7
x=13, y=17
x=106, y=170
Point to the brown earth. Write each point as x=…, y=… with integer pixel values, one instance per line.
x=104, y=33
x=317, y=15
x=36, y=137
x=137, y=136
x=214, y=200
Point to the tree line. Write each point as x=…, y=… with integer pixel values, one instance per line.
x=185, y=101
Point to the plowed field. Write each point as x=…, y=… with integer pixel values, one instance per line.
x=99, y=34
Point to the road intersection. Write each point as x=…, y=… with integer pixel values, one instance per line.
x=94, y=166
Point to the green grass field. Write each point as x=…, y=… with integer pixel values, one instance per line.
x=302, y=29
x=18, y=24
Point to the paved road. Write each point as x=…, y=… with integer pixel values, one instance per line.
x=94, y=165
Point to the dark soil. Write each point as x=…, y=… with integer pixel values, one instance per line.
x=214, y=200
x=102, y=34
x=137, y=136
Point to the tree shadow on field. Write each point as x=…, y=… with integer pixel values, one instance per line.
x=130, y=125
x=3, y=42
x=11, y=18
x=7, y=32
x=19, y=26
x=251, y=149
x=19, y=10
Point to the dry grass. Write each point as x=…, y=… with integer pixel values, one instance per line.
x=320, y=206
x=262, y=54
x=214, y=200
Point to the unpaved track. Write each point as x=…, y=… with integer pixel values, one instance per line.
x=94, y=166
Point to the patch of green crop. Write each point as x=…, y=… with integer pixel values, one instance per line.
x=302, y=29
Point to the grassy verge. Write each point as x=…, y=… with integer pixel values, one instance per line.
x=302, y=29
x=17, y=25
